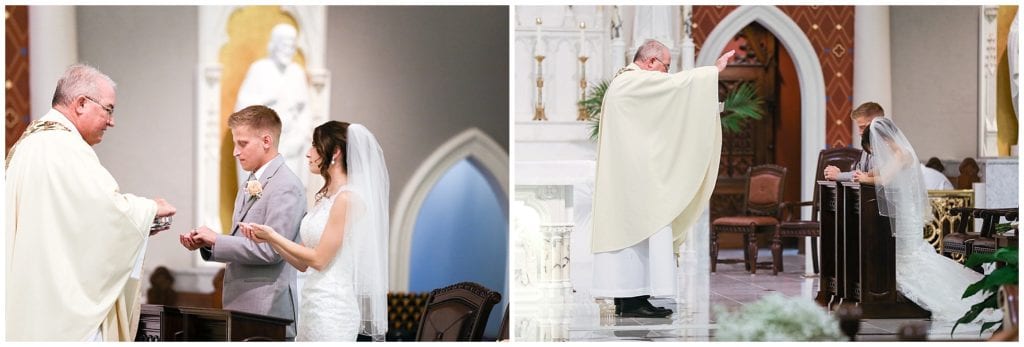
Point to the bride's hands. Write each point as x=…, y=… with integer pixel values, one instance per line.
x=863, y=177
x=257, y=232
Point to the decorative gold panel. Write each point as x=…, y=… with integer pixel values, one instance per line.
x=943, y=223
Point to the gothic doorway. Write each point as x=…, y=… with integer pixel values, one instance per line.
x=774, y=139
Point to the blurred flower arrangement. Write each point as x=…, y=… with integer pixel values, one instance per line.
x=777, y=318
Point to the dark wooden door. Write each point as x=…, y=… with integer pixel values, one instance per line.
x=756, y=62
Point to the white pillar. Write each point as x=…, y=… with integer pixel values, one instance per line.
x=688, y=56
x=52, y=47
x=872, y=77
x=618, y=57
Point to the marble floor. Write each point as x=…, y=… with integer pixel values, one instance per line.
x=700, y=294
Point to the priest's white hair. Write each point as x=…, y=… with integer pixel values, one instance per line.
x=650, y=49
x=78, y=79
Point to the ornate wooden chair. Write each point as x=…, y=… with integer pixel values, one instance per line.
x=986, y=242
x=956, y=244
x=961, y=243
x=841, y=157
x=762, y=206
x=457, y=313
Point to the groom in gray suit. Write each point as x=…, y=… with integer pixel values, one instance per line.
x=256, y=279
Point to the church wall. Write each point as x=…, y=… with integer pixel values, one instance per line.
x=151, y=54
x=935, y=78
x=417, y=76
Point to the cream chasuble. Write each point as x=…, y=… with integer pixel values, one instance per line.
x=658, y=153
x=72, y=240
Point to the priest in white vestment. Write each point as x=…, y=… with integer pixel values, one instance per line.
x=657, y=164
x=74, y=242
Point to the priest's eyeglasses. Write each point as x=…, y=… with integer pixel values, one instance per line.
x=109, y=109
x=667, y=66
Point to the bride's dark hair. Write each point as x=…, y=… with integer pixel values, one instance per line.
x=865, y=139
x=327, y=138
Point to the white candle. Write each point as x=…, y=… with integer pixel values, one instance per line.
x=583, y=40
x=536, y=47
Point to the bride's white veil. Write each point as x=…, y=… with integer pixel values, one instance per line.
x=899, y=182
x=368, y=178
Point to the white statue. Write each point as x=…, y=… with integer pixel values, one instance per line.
x=653, y=22
x=281, y=84
x=616, y=23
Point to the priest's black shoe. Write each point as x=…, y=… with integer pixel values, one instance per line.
x=638, y=307
x=645, y=302
x=639, y=301
x=641, y=311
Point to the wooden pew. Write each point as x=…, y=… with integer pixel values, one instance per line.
x=859, y=265
x=161, y=291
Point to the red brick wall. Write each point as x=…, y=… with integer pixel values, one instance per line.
x=17, y=109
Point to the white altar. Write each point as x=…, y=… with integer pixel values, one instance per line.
x=999, y=183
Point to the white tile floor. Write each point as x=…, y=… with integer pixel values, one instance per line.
x=699, y=293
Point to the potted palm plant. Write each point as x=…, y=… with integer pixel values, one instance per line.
x=739, y=106
x=1008, y=274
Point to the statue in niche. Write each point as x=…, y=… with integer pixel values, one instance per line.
x=616, y=23
x=278, y=82
x=653, y=22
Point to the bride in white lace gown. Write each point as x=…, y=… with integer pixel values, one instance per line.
x=344, y=238
x=931, y=280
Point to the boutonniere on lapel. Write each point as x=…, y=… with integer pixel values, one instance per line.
x=254, y=188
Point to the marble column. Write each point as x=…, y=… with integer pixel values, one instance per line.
x=53, y=46
x=872, y=77
x=688, y=55
x=618, y=56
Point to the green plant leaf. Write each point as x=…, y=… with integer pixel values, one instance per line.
x=974, y=311
x=592, y=105
x=740, y=106
x=1007, y=255
x=1003, y=275
x=980, y=258
x=987, y=325
x=1003, y=227
x=991, y=282
x=974, y=288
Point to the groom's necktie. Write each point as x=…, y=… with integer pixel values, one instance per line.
x=245, y=188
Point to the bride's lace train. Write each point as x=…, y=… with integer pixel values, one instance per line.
x=935, y=282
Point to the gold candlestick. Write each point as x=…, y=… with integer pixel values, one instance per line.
x=581, y=114
x=538, y=108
